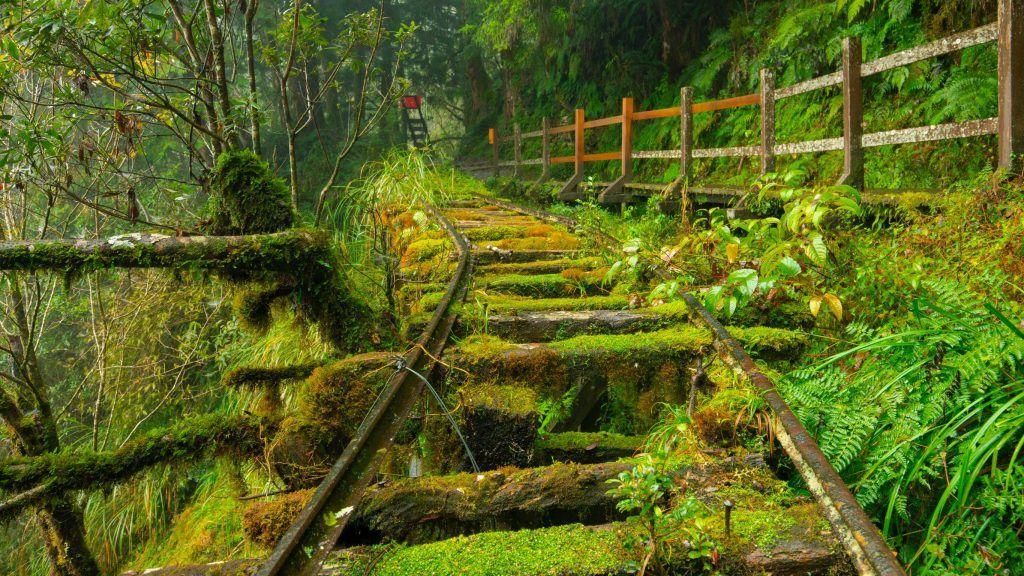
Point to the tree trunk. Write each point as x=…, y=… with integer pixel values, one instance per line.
x=64, y=532
x=61, y=521
x=477, y=82
x=250, y=59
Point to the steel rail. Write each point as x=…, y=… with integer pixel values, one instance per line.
x=304, y=547
x=858, y=534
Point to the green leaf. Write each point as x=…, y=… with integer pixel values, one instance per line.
x=788, y=267
x=817, y=251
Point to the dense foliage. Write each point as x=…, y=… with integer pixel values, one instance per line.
x=184, y=117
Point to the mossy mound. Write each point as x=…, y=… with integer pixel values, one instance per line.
x=425, y=249
x=332, y=404
x=265, y=522
x=247, y=197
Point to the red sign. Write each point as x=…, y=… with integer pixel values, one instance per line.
x=411, y=102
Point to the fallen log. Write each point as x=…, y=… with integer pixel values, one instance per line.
x=433, y=508
x=262, y=252
x=60, y=473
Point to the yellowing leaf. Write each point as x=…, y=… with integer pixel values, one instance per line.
x=835, y=305
x=732, y=252
x=815, y=306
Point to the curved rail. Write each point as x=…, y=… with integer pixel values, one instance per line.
x=304, y=547
x=858, y=534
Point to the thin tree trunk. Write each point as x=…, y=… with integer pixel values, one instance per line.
x=220, y=72
x=61, y=521
x=250, y=14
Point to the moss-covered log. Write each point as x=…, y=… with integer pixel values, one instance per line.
x=191, y=439
x=434, y=508
x=243, y=255
x=258, y=377
x=302, y=264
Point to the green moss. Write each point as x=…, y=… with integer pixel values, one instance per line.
x=676, y=310
x=511, y=399
x=540, y=285
x=483, y=345
x=208, y=530
x=557, y=240
x=425, y=249
x=684, y=338
x=489, y=233
x=252, y=306
x=543, y=266
x=561, y=550
x=581, y=440
x=259, y=377
x=585, y=447
x=770, y=343
x=246, y=196
x=265, y=522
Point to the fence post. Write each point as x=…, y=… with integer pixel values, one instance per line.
x=580, y=119
x=570, y=191
x=767, y=121
x=627, y=140
x=517, y=144
x=492, y=139
x=853, y=115
x=545, y=154
x=616, y=191
x=675, y=190
x=1011, y=84
x=685, y=131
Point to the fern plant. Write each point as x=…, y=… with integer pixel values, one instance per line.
x=925, y=425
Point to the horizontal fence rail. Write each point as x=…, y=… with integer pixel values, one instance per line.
x=1007, y=32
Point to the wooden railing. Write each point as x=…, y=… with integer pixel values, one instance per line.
x=1008, y=31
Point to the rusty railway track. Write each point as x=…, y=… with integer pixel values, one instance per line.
x=859, y=536
x=304, y=547
x=308, y=541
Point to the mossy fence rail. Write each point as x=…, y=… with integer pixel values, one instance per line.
x=1007, y=31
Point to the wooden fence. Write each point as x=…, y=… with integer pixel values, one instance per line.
x=1008, y=31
